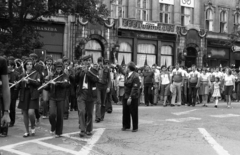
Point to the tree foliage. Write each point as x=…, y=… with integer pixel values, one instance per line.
x=18, y=36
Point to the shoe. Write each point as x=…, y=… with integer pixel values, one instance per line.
x=32, y=132
x=82, y=134
x=10, y=125
x=134, y=130
x=215, y=106
x=164, y=105
x=88, y=133
x=172, y=105
x=52, y=132
x=26, y=135
x=98, y=120
x=124, y=129
x=102, y=119
x=57, y=136
x=109, y=111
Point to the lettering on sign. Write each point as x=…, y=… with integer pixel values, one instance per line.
x=45, y=28
x=187, y=3
x=139, y=25
x=146, y=36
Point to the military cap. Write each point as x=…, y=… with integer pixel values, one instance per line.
x=48, y=57
x=33, y=55
x=58, y=63
x=86, y=57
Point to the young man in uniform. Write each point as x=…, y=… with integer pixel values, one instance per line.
x=86, y=78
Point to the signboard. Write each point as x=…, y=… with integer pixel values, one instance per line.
x=236, y=48
x=132, y=24
x=171, y=2
x=187, y=3
x=150, y=23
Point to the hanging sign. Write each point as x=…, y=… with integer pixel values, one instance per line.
x=171, y=2
x=187, y=3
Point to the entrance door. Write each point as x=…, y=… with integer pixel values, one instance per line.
x=189, y=61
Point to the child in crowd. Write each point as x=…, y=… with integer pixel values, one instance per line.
x=216, y=90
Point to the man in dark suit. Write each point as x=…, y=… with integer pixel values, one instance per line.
x=86, y=79
x=130, y=100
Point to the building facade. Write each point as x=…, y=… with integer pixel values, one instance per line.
x=159, y=31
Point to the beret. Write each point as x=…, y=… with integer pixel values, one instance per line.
x=33, y=55
x=86, y=57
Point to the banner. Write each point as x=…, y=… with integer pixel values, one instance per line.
x=187, y=3
x=171, y=2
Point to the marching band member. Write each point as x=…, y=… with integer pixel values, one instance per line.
x=13, y=77
x=57, y=93
x=48, y=73
x=29, y=96
x=66, y=64
x=103, y=87
x=86, y=78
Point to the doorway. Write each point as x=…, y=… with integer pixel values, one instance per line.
x=191, y=57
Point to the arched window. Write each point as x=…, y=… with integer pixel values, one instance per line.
x=166, y=56
x=146, y=52
x=93, y=47
x=125, y=51
x=223, y=21
x=209, y=19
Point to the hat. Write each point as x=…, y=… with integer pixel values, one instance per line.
x=33, y=55
x=48, y=57
x=28, y=60
x=132, y=66
x=100, y=59
x=86, y=57
x=64, y=59
x=11, y=58
x=58, y=63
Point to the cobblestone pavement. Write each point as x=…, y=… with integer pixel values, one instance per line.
x=162, y=131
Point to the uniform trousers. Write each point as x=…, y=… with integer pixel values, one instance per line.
x=14, y=96
x=100, y=104
x=56, y=109
x=85, y=111
x=128, y=112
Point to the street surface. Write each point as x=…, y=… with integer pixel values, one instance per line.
x=162, y=131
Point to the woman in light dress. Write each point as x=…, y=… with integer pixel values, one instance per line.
x=204, y=86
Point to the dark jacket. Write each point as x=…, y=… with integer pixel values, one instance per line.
x=59, y=90
x=34, y=83
x=92, y=79
x=104, y=78
x=131, y=84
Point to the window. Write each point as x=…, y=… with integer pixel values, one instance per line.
x=93, y=47
x=236, y=21
x=165, y=12
x=166, y=56
x=146, y=52
x=118, y=9
x=223, y=21
x=125, y=51
x=209, y=19
x=142, y=10
x=186, y=17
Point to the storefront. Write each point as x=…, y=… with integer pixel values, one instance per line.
x=143, y=41
x=52, y=36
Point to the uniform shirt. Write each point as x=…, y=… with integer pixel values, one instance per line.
x=193, y=76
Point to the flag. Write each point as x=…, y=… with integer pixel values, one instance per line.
x=123, y=61
x=145, y=63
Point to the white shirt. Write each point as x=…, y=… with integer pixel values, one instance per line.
x=218, y=74
x=165, y=78
x=229, y=80
x=156, y=75
x=175, y=71
x=85, y=85
x=129, y=74
x=204, y=77
x=194, y=73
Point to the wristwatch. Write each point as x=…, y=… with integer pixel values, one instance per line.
x=7, y=111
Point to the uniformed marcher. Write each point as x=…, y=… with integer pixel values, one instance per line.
x=130, y=100
x=57, y=88
x=86, y=79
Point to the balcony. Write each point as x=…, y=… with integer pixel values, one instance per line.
x=132, y=24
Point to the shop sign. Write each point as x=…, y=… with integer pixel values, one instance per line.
x=150, y=23
x=45, y=27
x=146, y=36
x=187, y=3
x=140, y=25
x=171, y=2
x=236, y=48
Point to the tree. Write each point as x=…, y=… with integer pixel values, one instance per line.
x=18, y=36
